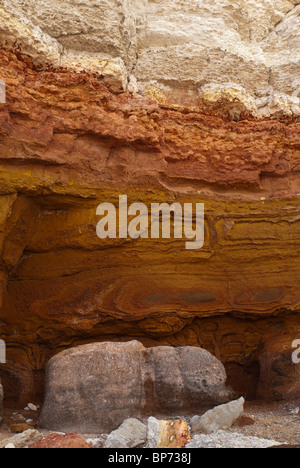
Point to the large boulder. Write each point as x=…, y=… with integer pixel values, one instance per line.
x=94, y=388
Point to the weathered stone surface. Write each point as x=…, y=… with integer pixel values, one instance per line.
x=220, y=418
x=226, y=440
x=244, y=54
x=132, y=433
x=96, y=387
x=280, y=376
x=22, y=440
x=167, y=434
x=185, y=133
x=58, y=441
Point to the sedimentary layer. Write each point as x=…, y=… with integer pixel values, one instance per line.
x=72, y=137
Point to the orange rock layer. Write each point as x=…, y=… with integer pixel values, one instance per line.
x=68, y=144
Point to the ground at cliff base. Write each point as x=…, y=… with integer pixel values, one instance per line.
x=276, y=421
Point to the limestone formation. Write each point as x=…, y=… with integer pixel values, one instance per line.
x=245, y=54
x=92, y=389
x=169, y=100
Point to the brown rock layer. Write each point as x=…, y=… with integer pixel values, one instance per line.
x=68, y=144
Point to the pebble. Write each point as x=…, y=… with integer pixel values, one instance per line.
x=32, y=407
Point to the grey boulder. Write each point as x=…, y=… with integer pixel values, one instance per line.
x=94, y=388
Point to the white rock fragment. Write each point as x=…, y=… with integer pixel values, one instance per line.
x=32, y=407
x=220, y=418
x=132, y=433
x=8, y=446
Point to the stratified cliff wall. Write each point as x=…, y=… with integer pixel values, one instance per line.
x=187, y=101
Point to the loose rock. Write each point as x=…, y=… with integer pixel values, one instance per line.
x=167, y=434
x=21, y=440
x=132, y=433
x=220, y=418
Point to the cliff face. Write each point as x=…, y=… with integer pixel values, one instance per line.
x=177, y=101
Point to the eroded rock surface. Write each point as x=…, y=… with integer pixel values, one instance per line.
x=163, y=101
x=243, y=53
x=96, y=387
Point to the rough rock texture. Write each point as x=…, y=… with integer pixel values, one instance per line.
x=94, y=388
x=70, y=140
x=280, y=377
x=22, y=440
x=182, y=51
x=59, y=441
x=220, y=418
x=131, y=434
x=167, y=434
x=226, y=440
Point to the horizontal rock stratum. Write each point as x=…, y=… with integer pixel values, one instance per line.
x=165, y=101
x=93, y=388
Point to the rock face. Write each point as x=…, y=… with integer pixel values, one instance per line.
x=94, y=388
x=220, y=418
x=176, y=49
x=164, y=101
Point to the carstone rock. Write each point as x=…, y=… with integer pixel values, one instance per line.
x=132, y=433
x=97, y=386
x=226, y=440
x=21, y=440
x=220, y=418
x=167, y=434
x=58, y=441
